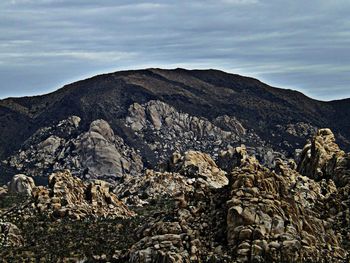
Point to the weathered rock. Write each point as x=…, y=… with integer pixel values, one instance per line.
x=282, y=209
x=3, y=189
x=323, y=159
x=165, y=130
x=232, y=157
x=21, y=183
x=67, y=196
x=199, y=165
x=97, y=153
x=299, y=129
x=141, y=190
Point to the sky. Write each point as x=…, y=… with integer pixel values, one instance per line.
x=301, y=45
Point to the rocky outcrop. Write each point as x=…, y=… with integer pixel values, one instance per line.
x=230, y=123
x=279, y=217
x=3, y=189
x=193, y=231
x=70, y=197
x=232, y=157
x=198, y=165
x=97, y=153
x=21, y=183
x=165, y=130
x=151, y=186
x=262, y=215
x=299, y=129
x=154, y=129
x=247, y=213
x=182, y=173
x=322, y=158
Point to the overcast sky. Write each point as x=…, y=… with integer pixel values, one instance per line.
x=299, y=44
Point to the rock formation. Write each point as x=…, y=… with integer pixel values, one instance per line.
x=279, y=217
x=157, y=129
x=100, y=155
x=195, y=210
x=323, y=159
x=96, y=153
x=67, y=196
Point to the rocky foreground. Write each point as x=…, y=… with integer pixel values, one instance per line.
x=221, y=206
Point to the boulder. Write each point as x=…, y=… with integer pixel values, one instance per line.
x=99, y=154
x=21, y=183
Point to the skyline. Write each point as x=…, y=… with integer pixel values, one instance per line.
x=46, y=44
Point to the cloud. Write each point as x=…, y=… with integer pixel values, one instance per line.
x=13, y=58
x=296, y=44
x=240, y=2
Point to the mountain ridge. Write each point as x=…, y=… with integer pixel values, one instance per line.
x=206, y=93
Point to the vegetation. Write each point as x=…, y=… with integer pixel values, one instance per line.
x=91, y=239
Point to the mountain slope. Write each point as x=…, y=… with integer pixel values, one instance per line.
x=204, y=93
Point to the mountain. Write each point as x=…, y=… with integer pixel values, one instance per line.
x=174, y=166
x=274, y=115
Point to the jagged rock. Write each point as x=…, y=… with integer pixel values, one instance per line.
x=10, y=235
x=196, y=164
x=165, y=130
x=159, y=130
x=282, y=209
x=181, y=174
x=137, y=117
x=141, y=190
x=265, y=215
x=21, y=183
x=258, y=214
x=323, y=159
x=232, y=157
x=50, y=145
x=67, y=196
x=97, y=153
x=189, y=233
x=230, y=124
